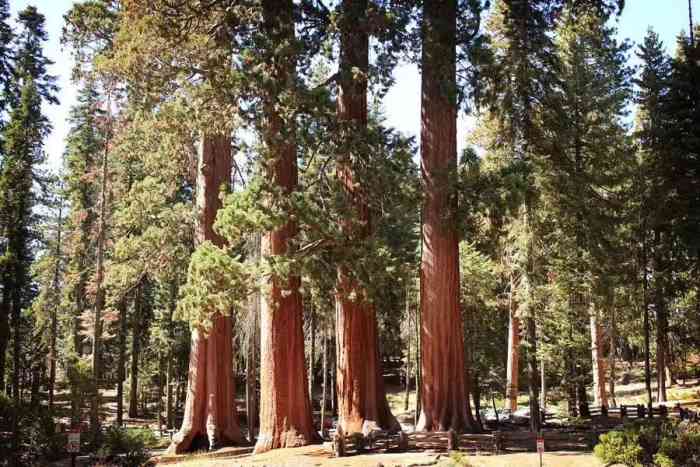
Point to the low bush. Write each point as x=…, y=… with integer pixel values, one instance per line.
x=126, y=447
x=652, y=443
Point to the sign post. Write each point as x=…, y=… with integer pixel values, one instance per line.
x=540, y=446
x=73, y=445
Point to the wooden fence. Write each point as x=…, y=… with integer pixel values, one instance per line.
x=637, y=411
x=492, y=443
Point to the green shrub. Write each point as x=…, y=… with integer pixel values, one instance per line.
x=620, y=447
x=39, y=436
x=126, y=446
x=652, y=443
x=662, y=460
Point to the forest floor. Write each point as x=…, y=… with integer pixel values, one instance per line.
x=311, y=456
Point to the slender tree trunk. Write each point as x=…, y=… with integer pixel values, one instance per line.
x=599, y=392
x=417, y=366
x=646, y=324
x=512, y=368
x=136, y=321
x=543, y=387
x=5, y=310
x=312, y=353
x=362, y=400
x=16, y=355
x=407, y=368
x=169, y=413
x=210, y=412
x=444, y=398
x=54, y=312
x=251, y=365
x=661, y=351
x=324, y=390
x=611, y=356
x=169, y=370
x=661, y=316
x=535, y=421
x=121, y=362
x=285, y=409
x=690, y=21
x=571, y=374
x=100, y=291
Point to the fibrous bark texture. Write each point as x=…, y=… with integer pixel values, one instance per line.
x=210, y=413
x=599, y=376
x=362, y=404
x=285, y=409
x=444, y=400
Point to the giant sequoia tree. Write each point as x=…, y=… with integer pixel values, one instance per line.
x=209, y=409
x=362, y=400
x=444, y=401
x=285, y=409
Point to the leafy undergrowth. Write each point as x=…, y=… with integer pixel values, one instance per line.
x=652, y=443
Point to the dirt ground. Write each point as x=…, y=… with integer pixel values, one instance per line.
x=312, y=456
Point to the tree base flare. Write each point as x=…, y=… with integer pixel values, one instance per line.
x=287, y=439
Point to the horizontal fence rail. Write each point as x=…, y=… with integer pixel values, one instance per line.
x=497, y=442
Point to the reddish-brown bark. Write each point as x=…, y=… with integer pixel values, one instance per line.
x=513, y=368
x=362, y=404
x=210, y=413
x=285, y=409
x=444, y=400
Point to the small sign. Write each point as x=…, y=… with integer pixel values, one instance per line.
x=73, y=445
x=540, y=445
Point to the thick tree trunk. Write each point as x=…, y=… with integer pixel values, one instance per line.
x=210, y=413
x=444, y=398
x=121, y=362
x=512, y=368
x=362, y=403
x=135, y=353
x=599, y=391
x=285, y=409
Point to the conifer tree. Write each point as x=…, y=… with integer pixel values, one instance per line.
x=652, y=91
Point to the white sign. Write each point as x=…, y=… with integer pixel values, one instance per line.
x=73, y=444
x=540, y=445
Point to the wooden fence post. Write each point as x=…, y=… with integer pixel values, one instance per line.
x=498, y=442
x=452, y=440
x=339, y=443
x=403, y=441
